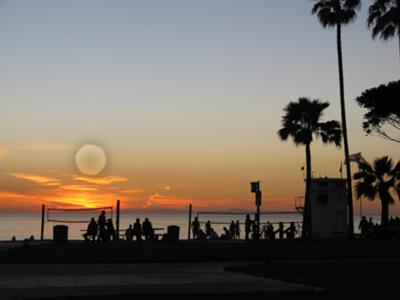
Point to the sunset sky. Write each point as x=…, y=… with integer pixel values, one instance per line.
x=185, y=98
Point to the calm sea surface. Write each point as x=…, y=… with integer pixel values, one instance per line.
x=23, y=225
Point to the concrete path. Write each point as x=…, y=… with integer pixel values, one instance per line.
x=24, y=281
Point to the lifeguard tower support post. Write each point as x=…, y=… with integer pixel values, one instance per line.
x=329, y=214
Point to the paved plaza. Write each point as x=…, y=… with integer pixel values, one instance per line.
x=55, y=280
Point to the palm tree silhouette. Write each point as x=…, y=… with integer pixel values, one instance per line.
x=302, y=122
x=379, y=180
x=384, y=18
x=336, y=13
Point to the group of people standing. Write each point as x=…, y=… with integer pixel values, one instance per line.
x=371, y=230
x=138, y=230
x=210, y=234
x=103, y=230
x=251, y=230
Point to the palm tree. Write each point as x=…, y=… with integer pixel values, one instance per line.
x=384, y=18
x=380, y=180
x=336, y=13
x=302, y=122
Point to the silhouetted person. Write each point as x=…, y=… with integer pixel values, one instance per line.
x=254, y=229
x=101, y=223
x=371, y=232
x=202, y=235
x=196, y=228
x=232, y=229
x=208, y=229
x=226, y=235
x=247, y=227
x=13, y=239
x=237, y=229
x=281, y=230
x=91, y=231
x=291, y=231
x=148, y=231
x=111, y=230
x=137, y=230
x=213, y=235
x=270, y=231
x=129, y=233
x=31, y=238
x=363, y=226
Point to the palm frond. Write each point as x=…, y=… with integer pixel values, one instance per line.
x=367, y=190
x=302, y=120
x=384, y=18
x=330, y=132
x=333, y=12
x=383, y=166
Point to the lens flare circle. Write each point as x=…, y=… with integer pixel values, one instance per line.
x=90, y=159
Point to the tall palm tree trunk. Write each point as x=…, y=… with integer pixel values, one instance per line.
x=384, y=219
x=384, y=214
x=306, y=230
x=344, y=129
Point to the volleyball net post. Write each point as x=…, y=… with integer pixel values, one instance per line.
x=42, y=223
x=117, y=215
x=190, y=220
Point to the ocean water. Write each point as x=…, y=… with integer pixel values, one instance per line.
x=24, y=225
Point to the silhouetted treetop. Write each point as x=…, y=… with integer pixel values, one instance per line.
x=384, y=18
x=333, y=12
x=379, y=180
x=383, y=105
x=303, y=119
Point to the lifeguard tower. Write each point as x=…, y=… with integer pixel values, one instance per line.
x=328, y=207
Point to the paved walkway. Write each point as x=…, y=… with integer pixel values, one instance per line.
x=53, y=280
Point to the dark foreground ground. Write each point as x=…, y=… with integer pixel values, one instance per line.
x=201, y=270
x=196, y=251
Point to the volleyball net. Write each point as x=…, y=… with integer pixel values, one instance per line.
x=219, y=217
x=76, y=215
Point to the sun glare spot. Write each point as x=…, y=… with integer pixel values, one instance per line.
x=90, y=159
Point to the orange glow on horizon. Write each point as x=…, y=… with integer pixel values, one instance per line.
x=62, y=192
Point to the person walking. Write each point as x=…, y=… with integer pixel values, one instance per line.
x=196, y=228
x=247, y=227
x=137, y=230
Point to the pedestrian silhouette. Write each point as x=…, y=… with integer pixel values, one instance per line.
x=129, y=233
x=148, y=231
x=101, y=223
x=208, y=229
x=91, y=231
x=137, y=230
x=237, y=229
x=110, y=230
x=247, y=227
x=196, y=228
